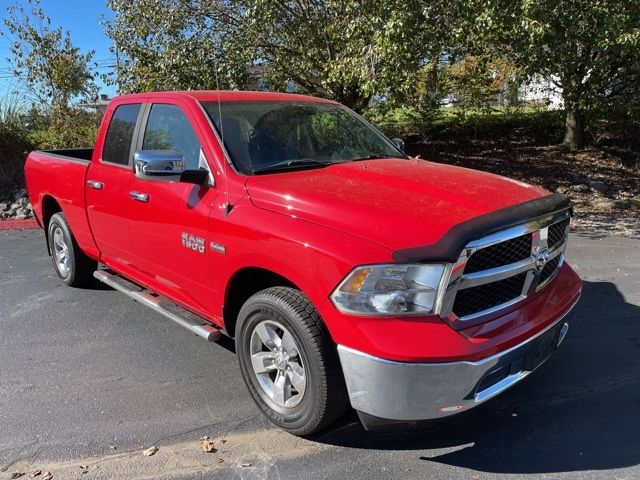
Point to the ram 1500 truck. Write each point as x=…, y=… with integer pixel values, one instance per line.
x=345, y=271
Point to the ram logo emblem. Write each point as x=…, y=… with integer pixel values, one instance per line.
x=194, y=243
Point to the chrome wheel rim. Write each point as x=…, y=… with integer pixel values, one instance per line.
x=61, y=252
x=277, y=364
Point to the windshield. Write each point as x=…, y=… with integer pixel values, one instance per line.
x=263, y=137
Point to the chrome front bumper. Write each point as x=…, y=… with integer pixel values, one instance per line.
x=400, y=391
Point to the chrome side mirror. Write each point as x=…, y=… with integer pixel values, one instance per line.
x=159, y=165
x=398, y=142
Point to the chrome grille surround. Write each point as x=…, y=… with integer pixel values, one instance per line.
x=455, y=278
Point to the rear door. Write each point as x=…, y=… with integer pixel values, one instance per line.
x=107, y=179
x=169, y=230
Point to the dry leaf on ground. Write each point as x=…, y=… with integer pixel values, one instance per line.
x=207, y=445
x=150, y=451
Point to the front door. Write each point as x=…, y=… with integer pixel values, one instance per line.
x=169, y=220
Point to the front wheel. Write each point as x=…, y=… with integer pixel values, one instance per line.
x=289, y=362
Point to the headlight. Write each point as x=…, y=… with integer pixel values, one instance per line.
x=389, y=289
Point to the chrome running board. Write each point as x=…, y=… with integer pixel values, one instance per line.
x=172, y=311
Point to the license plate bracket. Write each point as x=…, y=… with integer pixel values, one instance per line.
x=542, y=348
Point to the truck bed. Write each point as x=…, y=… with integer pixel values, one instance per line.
x=56, y=181
x=74, y=154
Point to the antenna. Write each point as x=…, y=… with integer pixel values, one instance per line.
x=227, y=205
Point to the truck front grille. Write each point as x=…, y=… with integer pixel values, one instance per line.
x=504, y=268
x=500, y=254
x=557, y=233
x=473, y=300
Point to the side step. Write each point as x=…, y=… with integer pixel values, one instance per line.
x=181, y=316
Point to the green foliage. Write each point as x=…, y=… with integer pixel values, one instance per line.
x=403, y=121
x=13, y=145
x=477, y=82
x=589, y=48
x=175, y=45
x=44, y=57
x=342, y=49
x=544, y=125
x=71, y=128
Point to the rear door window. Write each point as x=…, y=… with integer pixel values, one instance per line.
x=168, y=128
x=117, y=143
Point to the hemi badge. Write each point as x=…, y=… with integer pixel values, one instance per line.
x=216, y=247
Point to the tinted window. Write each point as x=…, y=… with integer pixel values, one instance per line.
x=265, y=136
x=169, y=129
x=117, y=144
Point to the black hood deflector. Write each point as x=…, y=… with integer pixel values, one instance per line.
x=450, y=245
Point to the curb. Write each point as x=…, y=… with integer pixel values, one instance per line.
x=18, y=224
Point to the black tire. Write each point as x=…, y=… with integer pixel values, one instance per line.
x=324, y=399
x=79, y=268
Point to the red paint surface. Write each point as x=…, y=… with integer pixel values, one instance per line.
x=311, y=227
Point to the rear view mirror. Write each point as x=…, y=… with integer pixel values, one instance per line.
x=398, y=142
x=161, y=165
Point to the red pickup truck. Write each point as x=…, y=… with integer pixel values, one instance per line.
x=345, y=270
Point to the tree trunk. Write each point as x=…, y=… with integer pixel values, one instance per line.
x=574, y=129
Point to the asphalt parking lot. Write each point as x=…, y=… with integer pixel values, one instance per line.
x=88, y=378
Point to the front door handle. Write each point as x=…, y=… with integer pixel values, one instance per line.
x=140, y=197
x=95, y=184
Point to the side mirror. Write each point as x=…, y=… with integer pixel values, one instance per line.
x=161, y=165
x=398, y=143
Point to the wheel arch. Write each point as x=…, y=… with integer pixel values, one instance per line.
x=243, y=284
x=50, y=206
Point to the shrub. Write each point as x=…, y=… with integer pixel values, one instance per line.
x=14, y=146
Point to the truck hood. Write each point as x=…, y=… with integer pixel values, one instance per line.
x=397, y=203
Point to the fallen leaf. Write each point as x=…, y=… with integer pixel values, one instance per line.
x=219, y=460
x=245, y=464
x=207, y=445
x=150, y=451
x=47, y=476
x=16, y=474
x=223, y=440
x=36, y=473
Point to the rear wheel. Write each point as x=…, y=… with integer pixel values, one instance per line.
x=289, y=362
x=70, y=263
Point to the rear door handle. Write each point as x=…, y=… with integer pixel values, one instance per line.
x=140, y=197
x=95, y=184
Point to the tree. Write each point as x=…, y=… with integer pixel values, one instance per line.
x=45, y=58
x=588, y=48
x=346, y=50
x=173, y=45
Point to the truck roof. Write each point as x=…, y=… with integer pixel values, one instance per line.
x=229, y=96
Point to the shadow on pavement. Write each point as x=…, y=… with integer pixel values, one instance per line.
x=579, y=412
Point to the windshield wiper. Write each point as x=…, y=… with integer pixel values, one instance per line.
x=373, y=156
x=291, y=165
